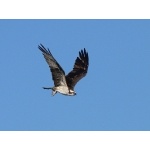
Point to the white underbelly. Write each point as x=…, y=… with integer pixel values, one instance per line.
x=62, y=89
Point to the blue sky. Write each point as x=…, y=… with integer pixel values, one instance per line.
x=113, y=96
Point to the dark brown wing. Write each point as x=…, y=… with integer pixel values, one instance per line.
x=58, y=74
x=80, y=69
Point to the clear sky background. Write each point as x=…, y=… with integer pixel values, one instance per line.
x=115, y=94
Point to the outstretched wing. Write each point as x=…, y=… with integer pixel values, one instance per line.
x=58, y=74
x=80, y=69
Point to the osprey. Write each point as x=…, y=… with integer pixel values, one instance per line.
x=65, y=84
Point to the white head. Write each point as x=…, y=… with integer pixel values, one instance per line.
x=71, y=92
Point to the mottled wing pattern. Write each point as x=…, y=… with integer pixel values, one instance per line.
x=79, y=70
x=58, y=74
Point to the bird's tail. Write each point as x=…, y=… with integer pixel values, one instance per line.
x=50, y=88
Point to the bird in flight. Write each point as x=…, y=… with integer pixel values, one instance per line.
x=65, y=84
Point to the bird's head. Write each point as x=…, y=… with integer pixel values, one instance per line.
x=71, y=92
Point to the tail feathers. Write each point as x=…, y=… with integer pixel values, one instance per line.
x=54, y=92
x=50, y=88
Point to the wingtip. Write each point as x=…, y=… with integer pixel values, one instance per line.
x=40, y=46
x=43, y=49
x=83, y=52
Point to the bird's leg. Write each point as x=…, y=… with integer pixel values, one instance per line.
x=53, y=90
x=50, y=88
x=47, y=88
